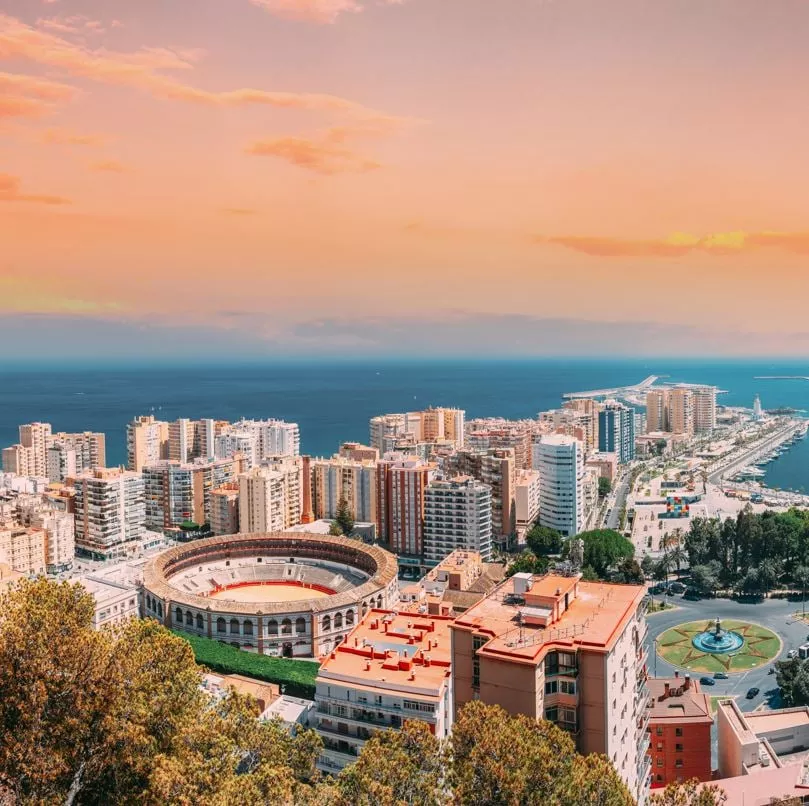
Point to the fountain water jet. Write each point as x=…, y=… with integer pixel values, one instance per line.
x=717, y=641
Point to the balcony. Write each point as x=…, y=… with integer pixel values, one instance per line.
x=361, y=717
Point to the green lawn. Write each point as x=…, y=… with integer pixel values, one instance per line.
x=297, y=676
x=760, y=646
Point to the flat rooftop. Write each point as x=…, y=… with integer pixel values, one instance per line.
x=407, y=652
x=593, y=620
x=782, y=719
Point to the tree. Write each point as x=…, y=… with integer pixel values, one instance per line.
x=500, y=759
x=705, y=578
x=689, y=793
x=647, y=565
x=604, y=548
x=630, y=572
x=403, y=766
x=542, y=540
x=344, y=517
x=792, y=677
x=335, y=530
x=118, y=715
x=527, y=563
x=604, y=486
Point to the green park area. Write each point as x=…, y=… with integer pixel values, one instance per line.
x=760, y=646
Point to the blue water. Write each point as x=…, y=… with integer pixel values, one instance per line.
x=332, y=402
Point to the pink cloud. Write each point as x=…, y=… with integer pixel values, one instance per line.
x=318, y=11
x=27, y=96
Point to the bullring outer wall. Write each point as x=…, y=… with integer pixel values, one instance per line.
x=304, y=628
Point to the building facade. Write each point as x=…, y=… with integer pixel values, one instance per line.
x=561, y=493
x=110, y=512
x=147, y=442
x=616, y=431
x=457, y=515
x=568, y=651
x=344, y=478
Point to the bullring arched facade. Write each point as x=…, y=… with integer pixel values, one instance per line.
x=366, y=577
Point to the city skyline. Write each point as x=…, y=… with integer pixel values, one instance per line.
x=321, y=177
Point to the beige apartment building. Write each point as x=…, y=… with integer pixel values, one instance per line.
x=496, y=433
x=569, y=651
x=225, y=509
x=147, y=442
x=526, y=500
x=344, y=478
x=680, y=411
x=431, y=425
x=23, y=548
x=41, y=453
x=270, y=497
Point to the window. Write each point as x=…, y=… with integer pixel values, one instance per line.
x=678, y=748
x=477, y=642
x=300, y=626
x=349, y=617
x=550, y=687
x=660, y=747
x=178, y=615
x=272, y=627
x=551, y=714
x=248, y=627
x=338, y=621
x=189, y=618
x=221, y=625
x=678, y=731
x=567, y=686
x=678, y=763
x=200, y=622
x=659, y=762
x=234, y=626
x=326, y=623
x=659, y=730
x=286, y=627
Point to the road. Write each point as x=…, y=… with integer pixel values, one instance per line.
x=775, y=614
x=621, y=491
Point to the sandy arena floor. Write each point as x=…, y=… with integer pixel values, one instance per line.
x=268, y=593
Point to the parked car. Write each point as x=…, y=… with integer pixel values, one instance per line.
x=676, y=587
x=793, y=653
x=752, y=693
x=692, y=595
x=720, y=676
x=707, y=681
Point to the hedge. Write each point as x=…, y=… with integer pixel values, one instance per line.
x=297, y=676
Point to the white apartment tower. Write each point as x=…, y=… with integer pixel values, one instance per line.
x=343, y=478
x=147, y=442
x=109, y=512
x=262, y=501
x=704, y=400
x=561, y=492
x=457, y=515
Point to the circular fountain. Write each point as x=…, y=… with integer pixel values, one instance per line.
x=717, y=641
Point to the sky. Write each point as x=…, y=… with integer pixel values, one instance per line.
x=275, y=178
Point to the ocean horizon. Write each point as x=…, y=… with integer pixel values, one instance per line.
x=332, y=401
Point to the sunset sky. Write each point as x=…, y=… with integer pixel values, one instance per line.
x=349, y=177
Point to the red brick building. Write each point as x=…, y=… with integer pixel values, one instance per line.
x=680, y=723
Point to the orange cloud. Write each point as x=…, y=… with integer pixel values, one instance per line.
x=26, y=96
x=679, y=244
x=108, y=166
x=240, y=211
x=10, y=192
x=140, y=70
x=63, y=137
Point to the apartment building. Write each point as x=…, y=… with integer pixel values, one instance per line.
x=176, y=493
x=680, y=722
x=562, y=479
x=616, y=431
x=526, y=500
x=225, y=509
x=348, y=479
x=147, y=442
x=569, y=651
x=457, y=515
x=656, y=411
x=496, y=433
x=496, y=468
x=23, y=548
x=60, y=537
x=358, y=453
x=391, y=668
x=704, y=403
x=589, y=411
x=110, y=512
x=431, y=425
x=680, y=411
x=262, y=501
x=605, y=463
x=400, y=488
x=42, y=453
x=291, y=470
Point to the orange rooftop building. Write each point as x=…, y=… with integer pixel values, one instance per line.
x=568, y=651
x=680, y=722
x=391, y=668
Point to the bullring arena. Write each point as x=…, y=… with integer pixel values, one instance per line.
x=290, y=594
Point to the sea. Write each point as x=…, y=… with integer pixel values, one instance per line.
x=333, y=401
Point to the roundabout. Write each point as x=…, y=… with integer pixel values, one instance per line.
x=712, y=646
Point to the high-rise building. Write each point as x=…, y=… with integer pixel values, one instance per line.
x=109, y=512
x=590, y=409
x=704, y=400
x=37, y=437
x=181, y=440
x=291, y=469
x=680, y=411
x=262, y=501
x=23, y=548
x=176, y=493
x=568, y=651
x=496, y=468
x=656, y=411
x=225, y=509
x=147, y=442
x=42, y=453
x=431, y=425
x=616, y=431
x=400, y=488
x=259, y=440
x=561, y=485
x=526, y=499
x=57, y=524
x=346, y=479
x=457, y=515
x=487, y=433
